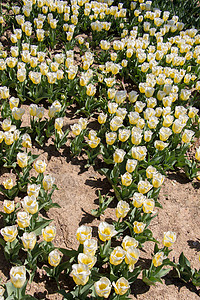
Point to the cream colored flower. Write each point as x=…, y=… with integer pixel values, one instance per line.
x=23, y=219
x=83, y=233
x=30, y=204
x=87, y=259
x=169, y=238
x=18, y=276
x=90, y=246
x=9, y=233
x=49, y=233
x=106, y=231
x=54, y=258
x=8, y=206
x=28, y=240
x=80, y=273
x=121, y=286
x=103, y=287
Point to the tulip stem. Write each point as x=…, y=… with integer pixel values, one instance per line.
x=18, y=294
x=79, y=291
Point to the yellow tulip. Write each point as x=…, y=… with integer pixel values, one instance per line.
x=83, y=233
x=23, y=219
x=54, y=258
x=9, y=233
x=103, y=287
x=158, y=259
x=8, y=184
x=122, y=209
x=129, y=241
x=106, y=231
x=90, y=246
x=139, y=227
x=8, y=206
x=18, y=276
x=87, y=259
x=40, y=166
x=49, y=233
x=117, y=256
x=80, y=274
x=169, y=238
x=121, y=286
x=28, y=240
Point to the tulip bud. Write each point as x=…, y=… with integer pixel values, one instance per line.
x=49, y=233
x=8, y=184
x=122, y=209
x=87, y=259
x=80, y=273
x=129, y=241
x=30, y=204
x=8, y=206
x=106, y=231
x=83, y=233
x=117, y=256
x=28, y=240
x=90, y=246
x=54, y=258
x=103, y=287
x=132, y=256
x=121, y=286
x=40, y=166
x=9, y=233
x=169, y=238
x=139, y=227
x=118, y=155
x=158, y=259
x=23, y=219
x=18, y=276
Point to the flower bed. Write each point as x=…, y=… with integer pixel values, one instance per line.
x=136, y=76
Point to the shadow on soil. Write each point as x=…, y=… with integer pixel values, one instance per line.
x=194, y=244
x=170, y=280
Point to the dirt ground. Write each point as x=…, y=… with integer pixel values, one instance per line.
x=77, y=195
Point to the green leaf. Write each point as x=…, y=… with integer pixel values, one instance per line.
x=48, y=270
x=29, y=297
x=67, y=296
x=2, y=242
x=85, y=289
x=62, y=267
x=69, y=253
x=40, y=224
x=162, y=273
x=10, y=288
x=183, y=261
x=106, y=247
x=148, y=281
x=108, y=161
x=51, y=205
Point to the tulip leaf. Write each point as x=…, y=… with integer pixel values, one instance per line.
x=61, y=267
x=148, y=281
x=67, y=296
x=40, y=224
x=108, y=161
x=68, y=253
x=162, y=273
x=51, y=205
x=10, y=288
x=29, y=297
x=183, y=261
x=106, y=247
x=85, y=289
x=2, y=242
